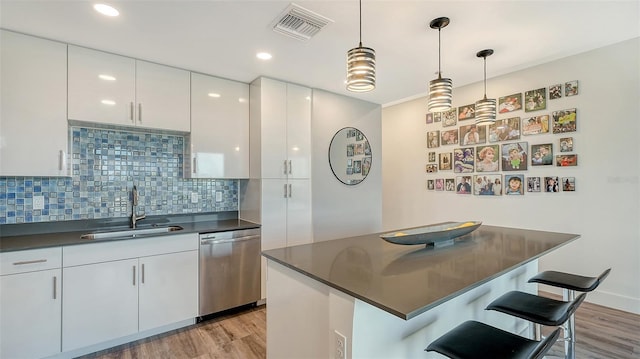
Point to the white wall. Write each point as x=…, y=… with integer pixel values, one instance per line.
x=340, y=210
x=605, y=207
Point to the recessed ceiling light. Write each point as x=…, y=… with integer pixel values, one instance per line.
x=213, y=94
x=108, y=102
x=264, y=56
x=106, y=10
x=106, y=77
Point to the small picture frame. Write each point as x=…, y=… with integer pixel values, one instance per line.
x=564, y=120
x=437, y=117
x=568, y=184
x=542, y=155
x=433, y=139
x=487, y=158
x=571, y=88
x=510, y=103
x=473, y=135
x=432, y=168
x=449, y=184
x=357, y=166
x=463, y=184
x=566, y=160
x=463, y=160
x=535, y=100
x=429, y=118
x=534, y=184
x=487, y=185
x=515, y=156
x=504, y=130
x=555, y=91
x=430, y=185
x=449, y=117
x=467, y=112
x=514, y=185
x=366, y=166
x=439, y=184
x=444, y=161
x=536, y=125
x=432, y=156
x=449, y=137
x=551, y=184
x=566, y=144
x=350, y=149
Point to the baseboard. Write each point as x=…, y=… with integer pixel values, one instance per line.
x=607, y=299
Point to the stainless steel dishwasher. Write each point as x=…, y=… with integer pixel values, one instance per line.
x=229, y=270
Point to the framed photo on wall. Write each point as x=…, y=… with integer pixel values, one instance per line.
x=439, y=184
x=571, y=88
x=555, y=91
x=430, y=185
x=568, y=184
x=487, y=185
x=513, y=184
x=487, y=158
x=566, y=144
x=515, y=156
x=444, y=161
x=510, y=103
x=473, y=135
x=551, y=184
x=449, y=118
x=463, y=160
x=429, y=118
x=449, y=184
x=504, y=130
x=432, y=156
x=433, y=139
x=467, y=112
x=542, y=155
x=535, y=100
x=535, y=125
x=564, y=120
x=463, y=184
x=432, y=168
x=566, y=160
x=449, y=137
x=533, y=184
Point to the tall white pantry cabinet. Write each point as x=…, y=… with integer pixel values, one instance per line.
x=280, y=127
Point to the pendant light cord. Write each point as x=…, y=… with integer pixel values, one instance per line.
x=439, y=51
x=485, y=77
x=360, y=5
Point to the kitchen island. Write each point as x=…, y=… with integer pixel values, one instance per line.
x=389, y=300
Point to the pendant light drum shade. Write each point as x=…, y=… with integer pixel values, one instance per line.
x=361, y=69
x=485, y=108
x=440, y=89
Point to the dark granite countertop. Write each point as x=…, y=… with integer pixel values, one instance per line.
x=409, y=280
x=14, y=237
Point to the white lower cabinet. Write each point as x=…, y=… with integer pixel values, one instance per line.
x=119, y=288
x=30, y=303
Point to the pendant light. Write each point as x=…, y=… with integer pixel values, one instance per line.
x=361, y=66
x=440, y=90
x=485, y=108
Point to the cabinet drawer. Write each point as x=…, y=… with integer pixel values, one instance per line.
x=30, y=260
x=132, y=248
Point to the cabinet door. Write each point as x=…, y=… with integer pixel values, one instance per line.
x=30, y=314
x=274, y=213
x=219, y=128
x=299, y=212
x=274, y=128
x=101, y=87
x=33, y=129
x=100, y=303
x=168, y=289
x=298, y=131
x=162, y=97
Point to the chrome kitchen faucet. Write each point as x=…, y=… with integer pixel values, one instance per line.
x=134, y=203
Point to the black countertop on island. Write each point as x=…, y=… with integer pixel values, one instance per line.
x=407, y=280
x=14, y=237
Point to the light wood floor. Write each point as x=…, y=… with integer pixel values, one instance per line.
x=602, y=333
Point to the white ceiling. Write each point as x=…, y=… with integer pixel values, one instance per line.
x=222, y=37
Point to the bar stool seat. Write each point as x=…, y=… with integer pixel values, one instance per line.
x=569, y=281
x=534, y=308
x=473, y=340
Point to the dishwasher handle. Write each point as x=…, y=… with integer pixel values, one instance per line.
x=227, y=240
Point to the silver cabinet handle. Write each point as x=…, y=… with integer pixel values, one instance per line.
x=131, y=112
x=290, y=166
x=195, y=162
x=55, y=287
x=289, y=190
x=62, y=160
x=142, y=274
x=228, y=240
x=285, y=167
x=140, y=112
x=29, y=262
x=285, y=190
x=134, y=276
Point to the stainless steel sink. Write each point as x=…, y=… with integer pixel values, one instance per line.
x=129, y=233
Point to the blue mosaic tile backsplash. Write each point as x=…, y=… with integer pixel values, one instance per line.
x=105, y=164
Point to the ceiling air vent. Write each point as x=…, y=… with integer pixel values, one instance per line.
x=299, y=23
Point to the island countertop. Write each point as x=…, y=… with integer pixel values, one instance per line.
x=407, y=280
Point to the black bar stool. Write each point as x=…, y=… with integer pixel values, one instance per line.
x=570, y=284
x=473, y=340
x=538, y=310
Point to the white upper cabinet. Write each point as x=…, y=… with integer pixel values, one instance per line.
x=285, y=129
x=113, y=89
x=219, y=128
x=33, y=129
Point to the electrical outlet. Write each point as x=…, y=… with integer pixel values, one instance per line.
x=194, y=197
x=38, y=202
x=218, y=196
x=340, y=343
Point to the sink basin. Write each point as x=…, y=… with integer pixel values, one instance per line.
x=129, y=233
